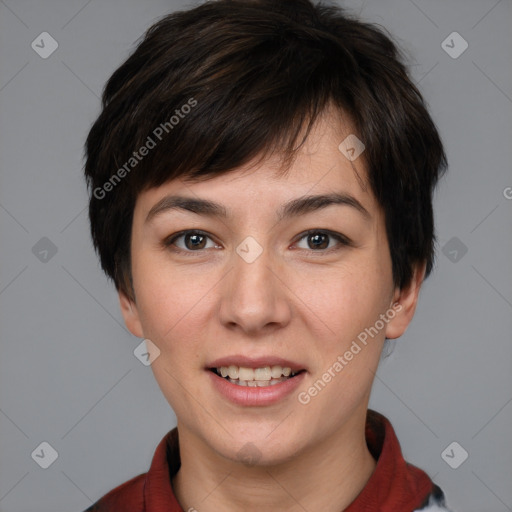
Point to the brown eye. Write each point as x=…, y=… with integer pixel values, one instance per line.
x=320, y=240
x=195, y=241
x=190, y=241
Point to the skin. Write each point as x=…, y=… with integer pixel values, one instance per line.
x=294, y=301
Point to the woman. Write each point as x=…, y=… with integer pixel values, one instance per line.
x=261, y=181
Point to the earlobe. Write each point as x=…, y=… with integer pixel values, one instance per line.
x=404, y=304
x=130, y=314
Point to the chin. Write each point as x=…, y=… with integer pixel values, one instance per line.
x=259, y=449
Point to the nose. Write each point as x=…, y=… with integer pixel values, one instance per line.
x=254, y=296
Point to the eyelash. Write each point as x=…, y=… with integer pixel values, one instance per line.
x=343, y=240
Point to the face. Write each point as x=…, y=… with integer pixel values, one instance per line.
x=260, y=285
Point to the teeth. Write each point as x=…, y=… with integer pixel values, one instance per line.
x=245, y=373
x=257, y=383
x=277, y=371
x=254, y=377
x=263, y=373
x=233, y=372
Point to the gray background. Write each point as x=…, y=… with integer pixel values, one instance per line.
x=68, y=375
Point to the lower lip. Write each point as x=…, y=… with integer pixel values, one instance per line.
x=255, y=396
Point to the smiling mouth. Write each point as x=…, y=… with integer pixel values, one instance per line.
x=255, y=377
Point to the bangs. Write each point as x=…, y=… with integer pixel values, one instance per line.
x=240, y=112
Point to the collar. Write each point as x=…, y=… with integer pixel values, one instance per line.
x=394, y=486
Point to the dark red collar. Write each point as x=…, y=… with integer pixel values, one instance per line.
x=394, y=486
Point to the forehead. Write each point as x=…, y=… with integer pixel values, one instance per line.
x=322, y=165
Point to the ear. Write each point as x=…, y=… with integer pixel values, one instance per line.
x=130, y=314
x=405, y=300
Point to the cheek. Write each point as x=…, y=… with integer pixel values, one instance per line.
x=171, y=302
x=173, y=307
x=346, y=345
x=346, y=300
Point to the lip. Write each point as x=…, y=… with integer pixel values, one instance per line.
x=255, y=362
x=246, y=396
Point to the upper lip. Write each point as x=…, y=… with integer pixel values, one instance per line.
x=255, y=362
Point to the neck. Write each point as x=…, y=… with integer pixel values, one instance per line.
x=327, y=476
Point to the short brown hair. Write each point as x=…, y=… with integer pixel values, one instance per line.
x=254, y=75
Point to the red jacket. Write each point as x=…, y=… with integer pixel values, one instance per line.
x=395, y=485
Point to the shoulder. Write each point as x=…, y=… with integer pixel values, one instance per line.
x=128, y=497
x=435, y=502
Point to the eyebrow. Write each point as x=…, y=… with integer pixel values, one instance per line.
x=295, y=207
